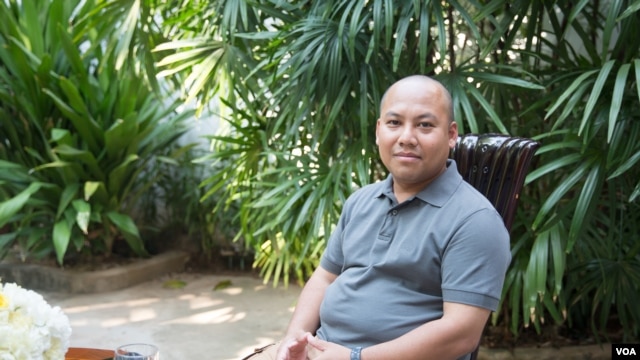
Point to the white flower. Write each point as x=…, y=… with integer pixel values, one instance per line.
x=30, y=329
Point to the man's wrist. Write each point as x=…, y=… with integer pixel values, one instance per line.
x=355, y=353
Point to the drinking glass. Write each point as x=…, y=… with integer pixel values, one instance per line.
x=137, y=352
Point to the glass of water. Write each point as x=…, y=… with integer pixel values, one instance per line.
x=137, y=352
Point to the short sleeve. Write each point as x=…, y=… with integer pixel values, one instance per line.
x=476, y=260
x=333, y=258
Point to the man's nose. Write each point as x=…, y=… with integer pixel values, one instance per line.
x=408, y=136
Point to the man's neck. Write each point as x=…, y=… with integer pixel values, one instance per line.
x=404, y=191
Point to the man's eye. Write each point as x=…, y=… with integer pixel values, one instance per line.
x=393, y=122
x=425, y=124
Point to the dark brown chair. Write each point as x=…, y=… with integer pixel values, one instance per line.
x=496, y=165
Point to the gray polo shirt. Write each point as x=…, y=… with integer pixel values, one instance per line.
x=397, y=263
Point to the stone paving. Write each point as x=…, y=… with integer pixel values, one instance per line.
x=193, y=322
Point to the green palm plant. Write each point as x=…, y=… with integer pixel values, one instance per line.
x=78, y=133
x=300, y=83
x=585, y=123
x=302, y=118
x=588, y=161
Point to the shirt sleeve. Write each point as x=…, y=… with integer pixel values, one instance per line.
x=333, y=257
x=476, y=260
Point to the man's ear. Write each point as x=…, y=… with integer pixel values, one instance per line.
x=377, y=126
x=453, y=134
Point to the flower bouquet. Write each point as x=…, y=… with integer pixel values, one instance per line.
x=30, y=329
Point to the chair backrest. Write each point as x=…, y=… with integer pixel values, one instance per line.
x=496, y=165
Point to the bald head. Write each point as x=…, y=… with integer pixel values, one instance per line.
x=423, y=85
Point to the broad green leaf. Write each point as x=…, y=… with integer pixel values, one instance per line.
x=97, y=188
x=559, y=258
x=506, y=80
x=626, y=166
x=468, y=112
x=595, y=93
x=559, y=192
x=488, y=109
x=635, y=194
x=569, y=91
x=553, y=166
x=61, y=136
x=83, y=214
x=33, y=27
x=630, y=10
x=9, y=208
x=616, y=98
x=438, y=13
x=572, y=105
x=68, y=194
x=586, y=202
x=6, y=240
x=610, y=25
x=355, y=26
x=129, y=230
x=77, y=103
x=118, y=138
x=72, y=53
x=126, y=32
x=423, y=40
x=81, y=124
x=400, y=34
x=575, y=11
x=551, y=307
x=636, y=66
x=61, y=237
x=121, y=174
x=85, y=157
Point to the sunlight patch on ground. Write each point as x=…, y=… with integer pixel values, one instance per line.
x=199, y=302
x=218, y=316
x=104, y=306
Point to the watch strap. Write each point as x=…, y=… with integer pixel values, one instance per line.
x=355, y=353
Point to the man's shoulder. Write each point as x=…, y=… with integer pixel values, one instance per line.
x=470, y=199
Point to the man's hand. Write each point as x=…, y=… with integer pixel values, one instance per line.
x=294, y=348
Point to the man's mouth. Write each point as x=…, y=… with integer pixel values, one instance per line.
x=406, y=155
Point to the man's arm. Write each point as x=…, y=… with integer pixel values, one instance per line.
x=455, y=334
x=306, y=317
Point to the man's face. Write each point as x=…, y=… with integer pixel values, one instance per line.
x=414, y=134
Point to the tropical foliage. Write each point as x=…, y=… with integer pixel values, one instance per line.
x=79, y=129
x=300, y=83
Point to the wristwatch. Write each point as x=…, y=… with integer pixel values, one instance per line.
x=355, y=353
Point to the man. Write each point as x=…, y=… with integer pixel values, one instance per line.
x=416, y=263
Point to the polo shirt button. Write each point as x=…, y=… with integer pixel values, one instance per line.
x=394, y=212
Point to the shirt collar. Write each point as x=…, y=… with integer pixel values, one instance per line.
x=437, y=192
